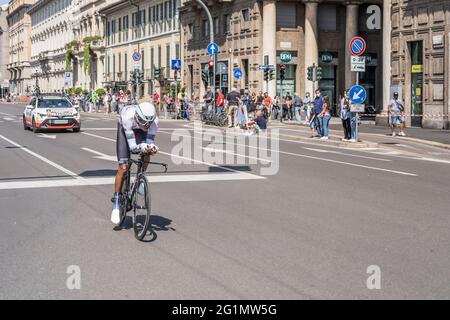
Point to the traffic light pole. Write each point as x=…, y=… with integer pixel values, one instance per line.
x=211, y=36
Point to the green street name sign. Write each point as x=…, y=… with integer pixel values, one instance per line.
x=286, y=56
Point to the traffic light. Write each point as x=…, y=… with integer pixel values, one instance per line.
x=156, y=72
x=310, y=73
x=266, y=75
x=271, y=74
x=205, y=77
x=319, y=73
x=282, y=72
x=139, y=77
x=211, y=66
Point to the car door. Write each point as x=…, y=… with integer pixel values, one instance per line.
x=29, y=110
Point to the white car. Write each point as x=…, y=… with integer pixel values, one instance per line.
x=51, y=113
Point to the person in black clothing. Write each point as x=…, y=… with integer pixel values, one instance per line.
x=233, y=102
x=287, y=107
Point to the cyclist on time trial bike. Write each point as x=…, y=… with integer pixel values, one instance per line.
x=136, y=130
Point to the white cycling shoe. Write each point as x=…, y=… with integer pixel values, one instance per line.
x=115, y=214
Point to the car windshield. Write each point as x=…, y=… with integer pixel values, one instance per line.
x=53, y=103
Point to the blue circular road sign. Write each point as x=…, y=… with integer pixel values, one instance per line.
x=137, y=56
x=357, y=46
x=238, y=73
x=213, y=48
x=357, y=94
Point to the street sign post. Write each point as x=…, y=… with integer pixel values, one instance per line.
x=212, y=49
x=357, y=46
x=357, y=95
x=358, y=64
x=68, y=80
x=237, y=73
x=176, y=65
x=137, y=58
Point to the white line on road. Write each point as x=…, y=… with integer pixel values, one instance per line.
x=47, y=136
x=346, y=154
x=237, y=154
x=101, y=155
x=34, y=154
x=8, y=119
x=227, y=176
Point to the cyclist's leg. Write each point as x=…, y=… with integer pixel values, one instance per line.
x=123, y=155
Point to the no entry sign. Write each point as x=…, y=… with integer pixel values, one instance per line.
x=357, y=46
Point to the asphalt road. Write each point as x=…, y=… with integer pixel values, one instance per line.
x=305, y=223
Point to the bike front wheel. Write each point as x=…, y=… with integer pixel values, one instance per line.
x=141, y=207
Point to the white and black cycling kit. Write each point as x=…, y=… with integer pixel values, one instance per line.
x=130, y=137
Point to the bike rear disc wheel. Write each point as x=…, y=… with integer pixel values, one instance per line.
x=141, y=208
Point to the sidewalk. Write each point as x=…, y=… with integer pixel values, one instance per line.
x=369, y=132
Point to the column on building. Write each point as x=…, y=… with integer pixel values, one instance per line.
x=311, y=40
x=269, y=38
x=351, y=30
x=387, y=28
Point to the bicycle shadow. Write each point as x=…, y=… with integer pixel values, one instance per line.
x=157, y=224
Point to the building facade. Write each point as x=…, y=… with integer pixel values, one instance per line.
x=4, y=46
x=151, y=28
x=51, y=30
x=89, y=24
x=311, y=31
x=421, y=60
x=19, y=24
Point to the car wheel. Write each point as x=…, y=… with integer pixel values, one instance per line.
x=25, y=127
x=33, y=126
x=76, y=129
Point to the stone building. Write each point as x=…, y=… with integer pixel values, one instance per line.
x=4, y=45
x=51, y=30
x=19, y=24
x=421, y=60
x=88, y=23
x=151, y=28
x=311, y=31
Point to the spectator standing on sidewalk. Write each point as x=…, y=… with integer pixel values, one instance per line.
x=287, y=107
x=325, y=117
x=233, y=101
x=298, y=104
x=276, y=107
x=345, y=117
x=307, y=106
x=220, y=101
x=208, y=98
x=267, y=104
x=94, y=100
x=396, y=112
x=317, y=110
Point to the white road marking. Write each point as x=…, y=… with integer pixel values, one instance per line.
x=8, y=119
x=228, y=176
x=6, y=114
x=99, y=129
x=237, y=154
x=100, y=155
x=34, y=154
x=346, y=154
x=47, y=136
x=325, y=159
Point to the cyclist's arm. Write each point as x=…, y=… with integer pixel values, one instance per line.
x=152, y=132
x=131, y=138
